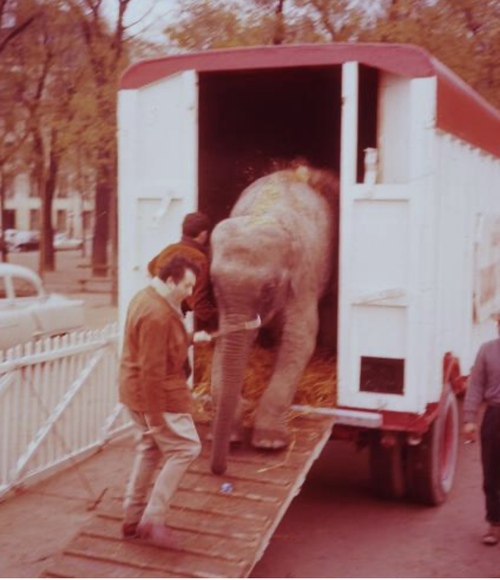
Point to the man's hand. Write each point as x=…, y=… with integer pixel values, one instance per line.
x=201, y=336
x=470, y=432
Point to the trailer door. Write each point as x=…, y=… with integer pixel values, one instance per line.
x=158, y=157
x=387, y=261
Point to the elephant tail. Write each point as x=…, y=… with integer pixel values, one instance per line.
x=325, y=182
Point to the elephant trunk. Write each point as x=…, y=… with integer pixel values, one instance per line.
x=231, y=357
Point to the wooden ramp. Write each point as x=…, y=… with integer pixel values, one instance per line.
x=224, y=533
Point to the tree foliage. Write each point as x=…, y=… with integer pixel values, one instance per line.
x=27, y=12
x=61, y=74
x=212, y=24
x=60, y=62
x=464, y=34
x=209, y=24
x=13, y=121
x=106, y=59
x=49, y=73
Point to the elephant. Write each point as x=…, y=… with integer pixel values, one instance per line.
x=272, y=257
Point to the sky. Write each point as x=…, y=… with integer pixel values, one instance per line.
x=148, y=17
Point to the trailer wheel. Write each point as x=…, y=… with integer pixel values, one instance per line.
x=386, y=468
x=430, y=466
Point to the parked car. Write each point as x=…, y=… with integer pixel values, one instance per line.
x=28, y=312
x=64, y=242
x=9, y=238
x=22, y=240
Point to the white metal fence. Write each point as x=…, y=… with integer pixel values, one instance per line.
x=58, y=403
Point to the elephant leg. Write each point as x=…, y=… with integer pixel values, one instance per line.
x=271, y=429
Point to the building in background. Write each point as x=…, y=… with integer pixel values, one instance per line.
x=72, y=210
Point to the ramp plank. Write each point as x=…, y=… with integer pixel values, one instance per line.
x=223, y=533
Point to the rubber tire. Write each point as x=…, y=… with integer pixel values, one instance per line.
x=386, y=469
x=430, y=466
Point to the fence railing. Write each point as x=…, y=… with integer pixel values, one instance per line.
x=58, y=403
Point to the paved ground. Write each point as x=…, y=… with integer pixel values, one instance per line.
x=337, y=528
x=334, y=528
x=40, y=521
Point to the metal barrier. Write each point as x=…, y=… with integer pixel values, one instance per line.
x=58, y=403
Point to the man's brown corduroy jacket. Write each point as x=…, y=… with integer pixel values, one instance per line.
x=152, y=379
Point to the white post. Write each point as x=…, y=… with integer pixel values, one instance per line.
x=348, y=163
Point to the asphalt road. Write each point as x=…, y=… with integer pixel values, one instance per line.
x=336, y=528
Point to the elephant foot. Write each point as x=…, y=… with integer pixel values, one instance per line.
x=271, y=438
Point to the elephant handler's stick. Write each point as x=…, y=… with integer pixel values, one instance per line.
x=251, y=325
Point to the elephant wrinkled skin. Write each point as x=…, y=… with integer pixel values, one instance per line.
x=272, y=257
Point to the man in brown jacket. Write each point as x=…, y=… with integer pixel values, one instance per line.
x=194, y=246
x=153, y=388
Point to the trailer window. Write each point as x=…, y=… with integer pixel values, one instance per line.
x=382, y=375
x=367, y=115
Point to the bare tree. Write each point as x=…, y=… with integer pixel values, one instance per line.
x=14, y=20
x=47, y=72
x=203, y=24
x=13, y=24
x=105, y=50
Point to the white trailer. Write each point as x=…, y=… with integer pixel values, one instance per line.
x=418, y=273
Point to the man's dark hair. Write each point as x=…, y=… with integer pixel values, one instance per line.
x=176, y=267
x=194, y=224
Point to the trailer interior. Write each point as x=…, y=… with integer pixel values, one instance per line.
x=254, y=122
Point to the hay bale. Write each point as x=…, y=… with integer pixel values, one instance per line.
x=316, y=388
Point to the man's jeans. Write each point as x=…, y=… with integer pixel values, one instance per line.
x=490, y=456
x=176, y=444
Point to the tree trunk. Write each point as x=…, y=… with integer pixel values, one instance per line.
x=3, y=244
x=103, y=195
x=105, y=55
x=113, y=232
x=279, y=24
x=47, y=257
x=105, y=217
x=39, y=171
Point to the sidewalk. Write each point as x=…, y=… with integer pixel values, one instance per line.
x=40, y=521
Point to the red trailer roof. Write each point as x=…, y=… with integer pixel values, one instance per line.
x=460, y=110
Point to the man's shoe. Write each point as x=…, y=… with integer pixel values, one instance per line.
x=492, y=536
x=129, y=530
x=158, y=535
